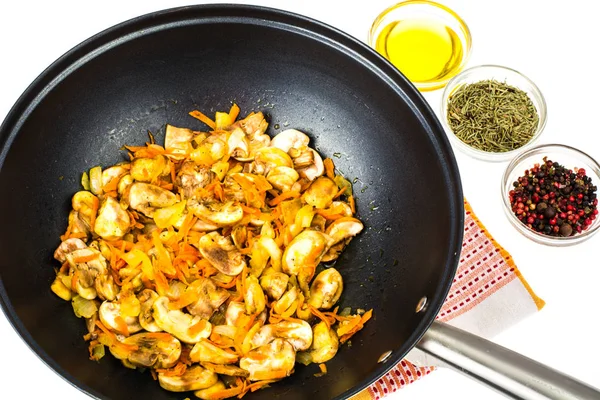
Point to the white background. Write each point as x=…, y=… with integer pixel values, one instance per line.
x=554, y=43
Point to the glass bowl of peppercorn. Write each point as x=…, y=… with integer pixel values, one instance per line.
x=550, y=194
x=492, y=113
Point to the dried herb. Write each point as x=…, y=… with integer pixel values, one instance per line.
x=492, y=116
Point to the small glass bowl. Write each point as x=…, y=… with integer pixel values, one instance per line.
x=500, y=74
x=430, y=11
x=567, y=156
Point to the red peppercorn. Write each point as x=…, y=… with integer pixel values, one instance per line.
x=579, y=229
x=552, y=195
x=556, y=229
x=546, y=197
x=535, y=198
x=570, y=207
x=592, y=217
x=570, y=218
x=541, y=181
x=530, y=220
x=581, y=171
x=595, y=212
x=581, y=213
x=519, y=199
x=576, y=217
x=595, y=202
x=571, y=199
x=553, y=221
x=540, y=216
x=588, y=221
x=563, y=215
x=580, y=196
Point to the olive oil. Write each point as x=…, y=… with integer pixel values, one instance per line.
x=425, y=51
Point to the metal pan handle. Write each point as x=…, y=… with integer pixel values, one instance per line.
x=510, y=373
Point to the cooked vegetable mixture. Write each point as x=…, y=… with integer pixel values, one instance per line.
x=198, y=260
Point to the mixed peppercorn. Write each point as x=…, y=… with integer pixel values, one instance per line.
x=554, y=200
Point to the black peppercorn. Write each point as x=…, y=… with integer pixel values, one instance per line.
x=550, y=212
x=541, y=207
x=566, y=230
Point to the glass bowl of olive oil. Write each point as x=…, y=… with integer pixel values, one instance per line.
x=428, y=42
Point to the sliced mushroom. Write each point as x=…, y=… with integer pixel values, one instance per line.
x=67, y=247
x=272, y=361
x=305, y=251
x=333, y=252
x=255, y=126
x=185, y=327
x=221, y=214
x=265, y=248
x=85, y=203
x=110, y=314
x=60, y=289
x=297, y=332
x=315, y=170
x=221, y=253
x=204, y=351
x=147, y=297
x=235, y=311
x=239, y=235
x=145, y=198
x=324, y=346
x=78, y=224
x=272, y=157
x=194, y=378
x=149, y=169
x=178, y=141
x=211, y=392
x=274, y=284
x=112, y=222
x=106, y=288
x=192, y=177
x=152, y=350
x=286, y=301
x=326, y=289
x=283, y=178
x=343, y=228
x=225, y=369
x=238, y=145
x=254, y=296
x=320, y=193
x=86, y=271
x=210, y=298
x=114, y=172
x=290, y=139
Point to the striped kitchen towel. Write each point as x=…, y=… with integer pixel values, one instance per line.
x=488, y=295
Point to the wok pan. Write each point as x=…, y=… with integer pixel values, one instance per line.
x=140, y=75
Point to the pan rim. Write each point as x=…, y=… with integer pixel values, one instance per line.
x=162, y=19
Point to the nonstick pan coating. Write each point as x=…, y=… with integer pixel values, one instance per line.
x=136, y=77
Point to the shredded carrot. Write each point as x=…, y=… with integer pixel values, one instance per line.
x=234, y=111
x=121, y=326
x=198, y=115
x=219, y=193
x=78, y=235
x=112, y=185
x=250, y=210
x=226, y=285
x=83, y=259
x=340, y=192
x=284, y=196
x=154, y=374
x=64, y=269
x=74, y=280
x=346, y=331
x=323, y=368
x=188, y=223
x=226, y=393
x=259, y=385
x=172, y=170
x=177, y=370
x=319, y=315
x=329, y=167
x=351, y=203
x=67, y=233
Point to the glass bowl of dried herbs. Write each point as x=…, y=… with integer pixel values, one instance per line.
x=492, y=113
x=550, y=194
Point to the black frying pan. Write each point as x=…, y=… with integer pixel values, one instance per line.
x=150, y=71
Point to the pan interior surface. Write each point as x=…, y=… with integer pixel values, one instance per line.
x=143, y=74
